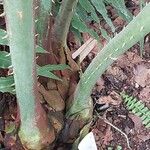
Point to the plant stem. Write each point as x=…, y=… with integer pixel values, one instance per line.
x=20, y=28
x=63, y=20
x=117, y=46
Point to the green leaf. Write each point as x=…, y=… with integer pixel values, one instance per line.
x=83, y=14
x=119, y=5
x=3, y=37
x=80, y=25
x=101, y=8
x=53, y=67
x=137, y=108
x=7, y=84
x=5, y=59
x=77, y=34
x=90, y=9
x=39, y=49
x=47, y=74
x=104, y=34
x=8, y=89
x=45, y=70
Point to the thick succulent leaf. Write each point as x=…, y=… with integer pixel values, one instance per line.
x=90, y=9
x=3, y=37
x=101, y=8
x=119, y=5
x=5, y=59
x=7, y=84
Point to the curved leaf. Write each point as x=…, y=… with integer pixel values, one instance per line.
x=3, y=37
x=5, y=59
x=7, y=84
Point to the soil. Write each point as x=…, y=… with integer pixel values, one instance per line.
x=129, y=73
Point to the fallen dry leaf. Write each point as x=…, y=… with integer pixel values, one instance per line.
x=128, y=59
x=142, y=75
x=137, y=121
x=108, y=136
x=108, y=100
x=145, y=94
x=119, y=21
x=99, y=84
x=117, y=72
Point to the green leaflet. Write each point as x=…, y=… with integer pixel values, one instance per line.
x=3, y=37
x=101, y=8
x=80, y=25
x=119, y=5
x=5, y=59
x=84, y=15
x=40, y=49
x=47, y=74
x=138, y=108
x=104, y=34
x=77, y=34
x=45, y=71
x=4, y=41
x=90, y=9
x=7, y=84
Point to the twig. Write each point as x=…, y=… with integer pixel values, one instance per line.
x=106, y=121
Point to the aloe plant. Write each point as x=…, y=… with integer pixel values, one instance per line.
x=34, y=131
x=130, y=35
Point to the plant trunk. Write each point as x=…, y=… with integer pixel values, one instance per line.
x=34, y=131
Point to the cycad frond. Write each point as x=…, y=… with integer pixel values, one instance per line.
x=138, y=108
